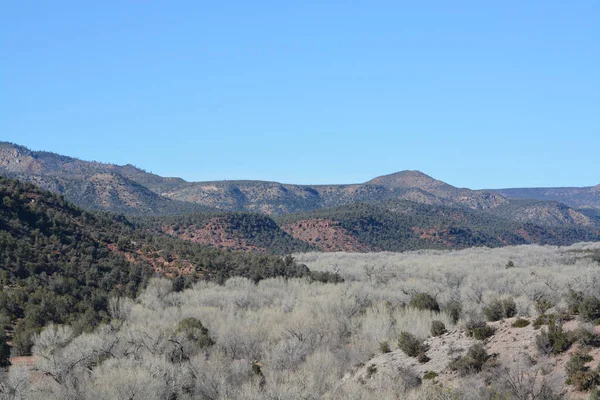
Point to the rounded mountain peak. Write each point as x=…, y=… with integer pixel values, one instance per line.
x=409, y=179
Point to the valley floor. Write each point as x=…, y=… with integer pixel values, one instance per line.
x=297, y=339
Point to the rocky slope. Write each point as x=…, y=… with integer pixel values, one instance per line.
x=515, y=362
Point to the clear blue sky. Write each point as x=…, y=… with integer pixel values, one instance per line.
x=478, y=94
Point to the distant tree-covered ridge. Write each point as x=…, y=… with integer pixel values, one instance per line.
x=404, y=225
x=236, y=230
x=130, y=190
x=395, y=225
x=94, y=185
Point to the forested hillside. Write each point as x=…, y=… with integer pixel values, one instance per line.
x=550, y=213
x=391, y=226
x=403, y=225
x=56, y=262
x=236, y=231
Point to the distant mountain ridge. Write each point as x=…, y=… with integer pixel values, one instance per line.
x=67, y=175
x=130, y=190
x=578, y=197
x=93, y=185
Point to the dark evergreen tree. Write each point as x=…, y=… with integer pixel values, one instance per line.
x=4, y=350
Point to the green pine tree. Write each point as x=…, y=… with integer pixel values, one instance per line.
x=4, y=350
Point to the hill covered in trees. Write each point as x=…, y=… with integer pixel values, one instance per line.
x=234, y=230
x=396, y=225
x=403, y=225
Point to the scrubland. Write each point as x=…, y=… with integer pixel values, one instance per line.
x=473, y=276
x=297, y=339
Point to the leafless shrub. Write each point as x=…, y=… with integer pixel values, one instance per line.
x=523, y=383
